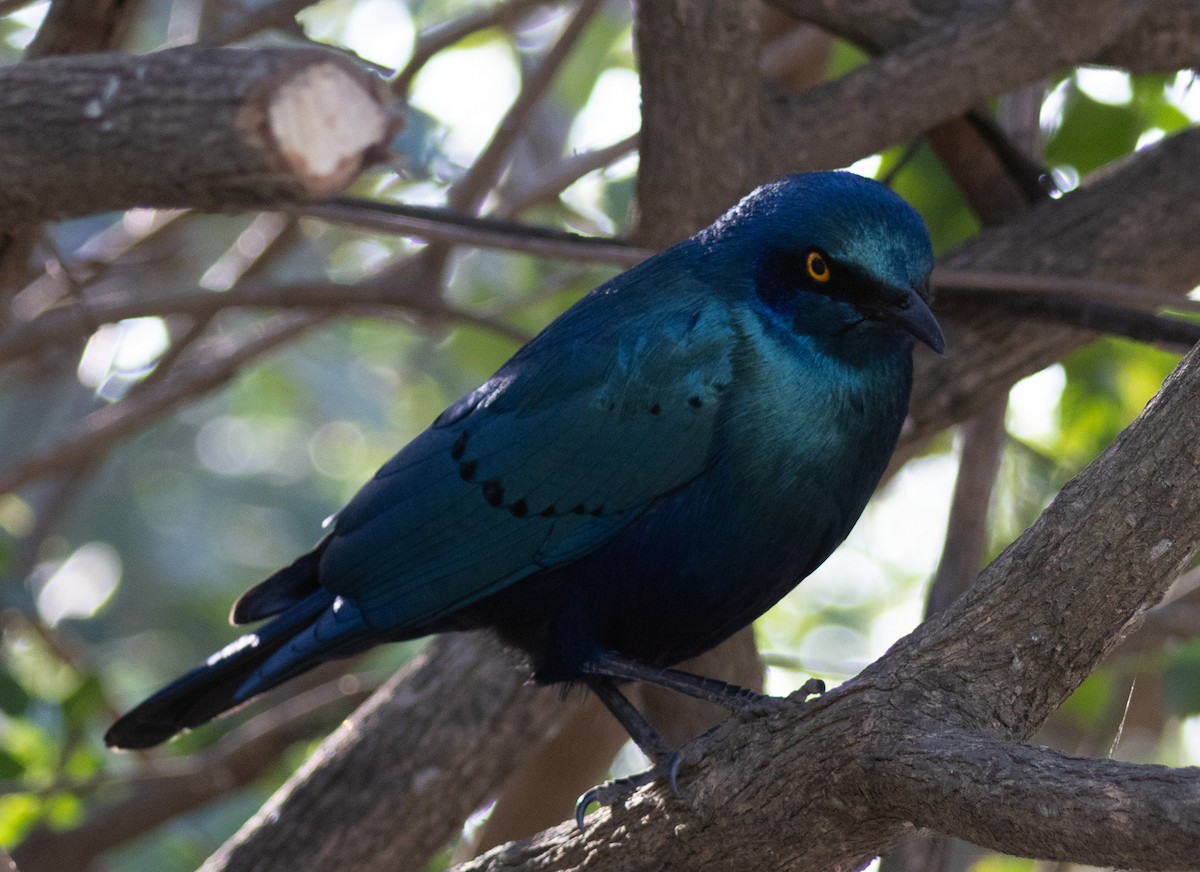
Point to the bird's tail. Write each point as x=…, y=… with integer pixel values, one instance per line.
x=314, y=629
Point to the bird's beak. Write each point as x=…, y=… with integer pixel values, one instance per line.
x=914, y=316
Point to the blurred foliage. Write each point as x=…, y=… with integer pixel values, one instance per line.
x=201, y=506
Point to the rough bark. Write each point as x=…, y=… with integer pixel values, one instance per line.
x=205, y=128
x=1160, y=37
x=700, y=142
x=952, y=63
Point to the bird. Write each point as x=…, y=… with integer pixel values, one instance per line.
x=642, y=479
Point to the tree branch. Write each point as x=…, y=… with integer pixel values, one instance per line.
x=1164, y=35
x=442, y=36
x=1039, y=802
x=207, y=128
x=944, y=71
x=108, y=425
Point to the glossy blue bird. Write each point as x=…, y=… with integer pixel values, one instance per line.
x=648, y=475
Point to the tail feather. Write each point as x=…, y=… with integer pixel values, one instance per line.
x=235, y=674
x=282, y=590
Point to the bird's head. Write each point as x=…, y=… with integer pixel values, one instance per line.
x=833, y=255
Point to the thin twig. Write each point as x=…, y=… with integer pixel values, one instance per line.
x=1090, y=315
x=1124, y=294
x=106, y=426
x=70, y=323
x=281, y=13
x=983, y=440
x=442, y=36
x=437, y=225
x=468, y=192
x=553, y=180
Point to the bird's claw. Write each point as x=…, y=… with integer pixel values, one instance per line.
x=812, y=687
x=618, y=790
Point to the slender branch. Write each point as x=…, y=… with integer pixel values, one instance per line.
x=439, y=225
x=966, y=535
x=441, y=36
x=1084, y=315
x=256, y=18
x=80, y=26
x=468, y=192
x=73, y=322
x=8, y=7
x=1138, y=296
x=553, y=180
x=110, y=424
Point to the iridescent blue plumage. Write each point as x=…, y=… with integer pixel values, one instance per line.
x=645, y=477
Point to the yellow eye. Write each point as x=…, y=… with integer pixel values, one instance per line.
x=818, y=269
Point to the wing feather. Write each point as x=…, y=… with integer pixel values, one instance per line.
x=567, y=444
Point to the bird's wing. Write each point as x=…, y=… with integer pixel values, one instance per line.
x=562, y=448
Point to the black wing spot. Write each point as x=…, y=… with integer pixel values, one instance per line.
x=493, y=492
x=547, y=512
x=695, y=402
x=580, y=509
x=655, y=409
x=597, y=512
x=460, y=446
x=520, y=508
x=466, y=470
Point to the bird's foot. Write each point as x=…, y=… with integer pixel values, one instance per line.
x=617, y=791
x=761, y=706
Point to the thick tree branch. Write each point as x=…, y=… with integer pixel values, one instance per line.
x=207, y=128
x=1164, y=35
x=700, y=144
x=946, y=70
x=1038, y=802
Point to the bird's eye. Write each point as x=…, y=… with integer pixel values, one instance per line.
x=818, y=269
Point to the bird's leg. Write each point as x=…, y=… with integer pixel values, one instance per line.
x=666, y=759
x=729, y=696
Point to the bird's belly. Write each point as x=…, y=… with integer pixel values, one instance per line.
x=686, y=578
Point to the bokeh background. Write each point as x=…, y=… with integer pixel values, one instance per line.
x=118, y=573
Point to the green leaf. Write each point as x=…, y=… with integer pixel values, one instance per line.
x=1181, y=681
x=10, y=766
x=13, y=697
